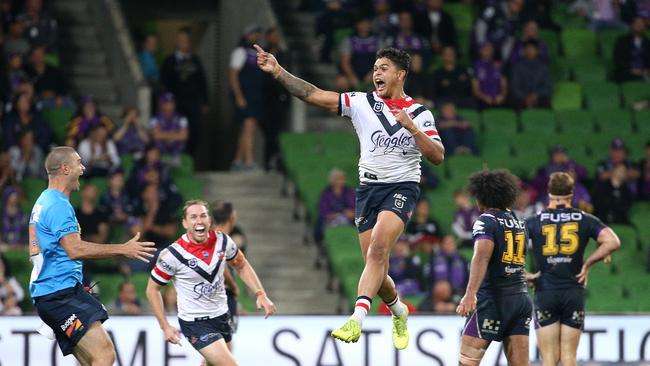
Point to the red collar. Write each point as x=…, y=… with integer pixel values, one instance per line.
x=396, y=105
x=202, y=251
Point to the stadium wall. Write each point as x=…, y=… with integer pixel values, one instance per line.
x=304, y=340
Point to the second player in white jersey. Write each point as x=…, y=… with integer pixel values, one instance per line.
x=197, y=273
x=389, y=153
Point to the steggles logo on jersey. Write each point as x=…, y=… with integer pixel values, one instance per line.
x=390, y=144
x=204, y=289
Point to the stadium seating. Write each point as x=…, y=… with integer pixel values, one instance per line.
x=567, y=95
x=634, y=91
x=578, y=43
x=57, y=119
x=601, y=95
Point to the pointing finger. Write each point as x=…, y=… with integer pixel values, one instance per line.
x=258, y=48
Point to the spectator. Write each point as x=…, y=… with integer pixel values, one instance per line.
x=464, y=217
x=404, y=269
x=383, y=20
x=618, y=156
x=245, y=79
x=14, y=220
x=7, y=175
x=613, y=198
x=644, y=179
x=559, y=161
x=489, y=84
x=114, y=202
x=148, y=60
x=86, y=117
x=455, y=131
x=14, y=76
x=147, y=170
x=447, y=276
x=540, y=12
x=49, y=83
x=169, y=129
x=27, y=158
x=14, y=42
x=632, y=54
x=358, y=53
x=336, y=204
x=98, y=152
x=332, y=19
x=11, y=293
x=276, y=102
x=407, y=39
x=438, y=26
x=23, y=117
x=41, y=28
x=131, y=137
x=422, y=226
x=127, y=302
x=530, y=79
x=525, y=206
x=601, y=14
x=182, y=74
x=530, y=30
x=91, y=219
x=155, y=218
x=497, y=25
x=7, y=15
x=419, y=82
x=451, y=82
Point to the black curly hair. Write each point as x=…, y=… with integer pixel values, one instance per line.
x=494, y=188
x=399, y=57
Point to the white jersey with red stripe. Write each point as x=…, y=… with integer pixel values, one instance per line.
x=389, y=153
x=197, y=273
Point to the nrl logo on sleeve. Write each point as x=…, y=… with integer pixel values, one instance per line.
x=378, y=107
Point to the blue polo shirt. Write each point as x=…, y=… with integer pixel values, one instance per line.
x=54, y=218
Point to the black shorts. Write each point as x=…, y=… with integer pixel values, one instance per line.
x=252, y=110
x=566, y=306
x=70, y=312
x=399, y=198
x=498, y=317
x=203, y=332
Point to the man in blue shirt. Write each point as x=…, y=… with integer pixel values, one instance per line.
x=57, y=250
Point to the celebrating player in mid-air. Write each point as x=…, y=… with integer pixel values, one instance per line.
x=196, y=262
x=394, y=131
x=496, y=301
x=559, y=235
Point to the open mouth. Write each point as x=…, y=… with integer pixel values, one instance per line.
x=380, y=85
x=200, y=229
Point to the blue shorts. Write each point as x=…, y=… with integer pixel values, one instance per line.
x=70, y=312
x=566, y=306
x=496, y=318
x=203, y=332
x=399, y=198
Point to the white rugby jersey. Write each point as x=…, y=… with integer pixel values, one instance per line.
x=197, y=273
x=389, y=153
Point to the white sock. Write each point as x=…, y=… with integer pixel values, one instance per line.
x=396, y=307
x=361, y=308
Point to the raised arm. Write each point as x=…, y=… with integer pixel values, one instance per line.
x=296, y=86
x=608, y=243
x=482, y=253
x=79, y=249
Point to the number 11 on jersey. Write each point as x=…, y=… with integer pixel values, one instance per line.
x=511, y=255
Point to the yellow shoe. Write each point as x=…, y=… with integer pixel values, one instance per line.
x=349, y=332
x=400, y=331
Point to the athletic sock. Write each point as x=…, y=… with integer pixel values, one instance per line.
x=396, y=307
x=361, y=308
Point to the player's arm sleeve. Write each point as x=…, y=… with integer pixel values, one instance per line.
x=483, y=229
x=347, y=101
x=231, y=248
x=237, y=58
x=62, y=220
x=595, y=226
x=427, y=125
x=165, y=268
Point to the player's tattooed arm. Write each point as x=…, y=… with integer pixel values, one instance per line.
x=295, y=85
